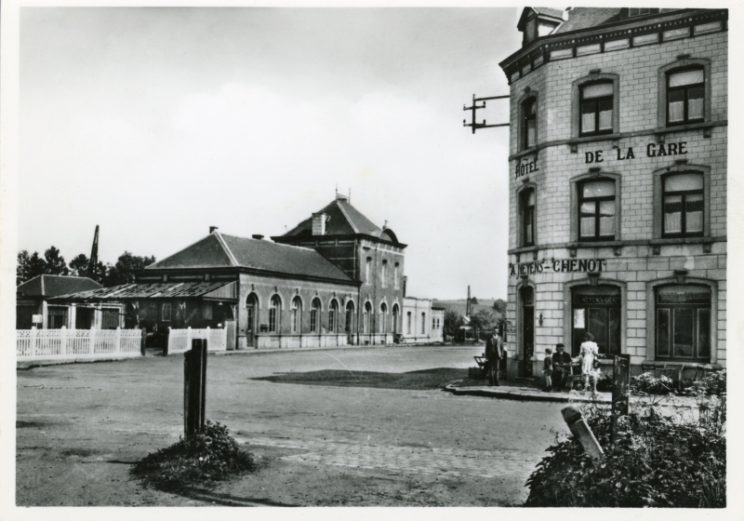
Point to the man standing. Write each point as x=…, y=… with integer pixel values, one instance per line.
x=561, y=366
x=494, y=353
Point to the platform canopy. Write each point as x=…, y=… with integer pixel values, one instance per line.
x=213, y=290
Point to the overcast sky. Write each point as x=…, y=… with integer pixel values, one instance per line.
x=158, y=122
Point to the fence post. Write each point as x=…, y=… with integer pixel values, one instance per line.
x=188, y=337
x=194, y=387
x=63, y=341
x=620, y=390
x=32, y=338
x=118, y=339
x=92, y=343
x=583, y=433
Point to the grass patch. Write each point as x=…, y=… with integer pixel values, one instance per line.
x=413, y=380
x=210, y=456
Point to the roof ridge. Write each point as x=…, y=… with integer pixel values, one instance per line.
x=295, y=246
x=226, y=248
x=348, y=219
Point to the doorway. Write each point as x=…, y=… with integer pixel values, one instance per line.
x=596, y=310
x=527, y=305
x=251, y=314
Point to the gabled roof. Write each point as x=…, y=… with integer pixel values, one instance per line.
x=53, y=285
x=341, y=219
x=224, y=251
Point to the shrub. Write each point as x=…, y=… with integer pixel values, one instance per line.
x=654, y=462
x=650, y=384
x=211, y=455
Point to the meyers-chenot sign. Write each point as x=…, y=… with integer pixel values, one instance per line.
x=557, y=266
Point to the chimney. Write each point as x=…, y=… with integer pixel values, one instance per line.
x=257, y=236
x=319, y=223
x=212, y=229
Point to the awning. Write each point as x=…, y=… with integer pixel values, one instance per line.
x=216, y=291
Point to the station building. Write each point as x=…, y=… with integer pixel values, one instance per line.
x=617, y=185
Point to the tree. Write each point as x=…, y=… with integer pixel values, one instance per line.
x=55, y=263
x=80, y=266
x=499, y=306
x=452, y=322
x=483, y=321
x=29, y=266
x=125, y=268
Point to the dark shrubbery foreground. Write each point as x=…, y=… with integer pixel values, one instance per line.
x=656, y=461
x=211, y=455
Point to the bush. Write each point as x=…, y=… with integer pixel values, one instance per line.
x=211, y=455
x=654, y=462
x=650, y=384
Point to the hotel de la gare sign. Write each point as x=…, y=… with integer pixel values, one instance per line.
x=529, y=163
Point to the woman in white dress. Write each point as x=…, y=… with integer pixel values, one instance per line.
x=589, y=352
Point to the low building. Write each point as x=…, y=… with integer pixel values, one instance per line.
x=35, y=299
x=423, y=323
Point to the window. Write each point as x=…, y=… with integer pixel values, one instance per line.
x=110, y=317
x=56, y=317
x=685, y=96
x=528, y=137
x=423, y=323
x=315, y=315
x=383, y=273
x=275, y=310
x=683, y=205
x=366, y=318
x=596, y=106
x=527, y=207
x=367, y=270
x=396, y=282
x=296, y=315
x=396, y=312
x=349, y=317
x=408, y=322
x=597, y=210
x=383, y=318
x=165, y=312
x=332, y=314
x=683, y=322
x=251, y=307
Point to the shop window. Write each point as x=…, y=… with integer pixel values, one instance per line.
x=527, y=216
x=683, y=205
x=528, y=123
x=295, y=314
x=596, y=108
x=683, y=322
x=315, y=315
x=596, y=310
x=275, y=311
x=685, y=95
x=597, y=218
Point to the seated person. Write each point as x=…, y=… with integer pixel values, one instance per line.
x=548, y=370
x=561, y=366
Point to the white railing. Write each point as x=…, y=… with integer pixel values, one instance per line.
x=179, y=340
x=72, y=344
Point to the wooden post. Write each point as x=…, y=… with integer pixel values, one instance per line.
x=143, y=336
x=620, y=390
x=194, y=387
x=583, y=433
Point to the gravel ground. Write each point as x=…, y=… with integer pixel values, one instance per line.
x=362, y=439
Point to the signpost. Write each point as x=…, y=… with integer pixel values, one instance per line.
x=620, y=389
x=194, y=387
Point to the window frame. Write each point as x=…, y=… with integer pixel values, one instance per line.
x=316, y=309
x=530, y=99
x=577, y=87
x=684, y=194
x=275, y=313
x=658, y=200
x=672, y=308
x=662, y=96
x=522, y=195
x=597, y=214
x=686, y=89
x=596, y=101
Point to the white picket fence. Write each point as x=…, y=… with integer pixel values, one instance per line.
x=179, y=340
x=74, y=344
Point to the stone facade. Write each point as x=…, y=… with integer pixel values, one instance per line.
x=620, y=269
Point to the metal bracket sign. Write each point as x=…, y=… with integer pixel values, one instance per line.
x=480, y=103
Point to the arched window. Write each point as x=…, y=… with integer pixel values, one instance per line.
x=368, y=271
x=275, y=313
x=383, y=273
x=383, y=318
x=683, y=204
x=333, y=316
x=597, y=210
x=683, y=322
x=596, y=106
x=423, y=323
x=315, y=315
x=685, y=95
x=296, y=315
x=251, y=313
x=396, y=313
x=349, y=317
x=366, y=319
x=528, y=123
x=396, y=282
x=527, y=216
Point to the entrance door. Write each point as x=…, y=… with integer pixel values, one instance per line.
x=596, y=309
x=527, y=299
x=251, y=313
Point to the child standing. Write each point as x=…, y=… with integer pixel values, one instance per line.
x=548, y=370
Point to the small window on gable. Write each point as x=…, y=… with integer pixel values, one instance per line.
x=685, y=96
x=596, y=106
x=528, y=123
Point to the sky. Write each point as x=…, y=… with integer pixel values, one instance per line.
x=156, y=123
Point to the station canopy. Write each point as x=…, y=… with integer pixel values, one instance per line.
x=204, y=290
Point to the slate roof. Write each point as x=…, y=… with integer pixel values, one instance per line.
x=217, y=250
x=53, y=285
x=342, y=219
x=143, y=290
x=586, y=17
